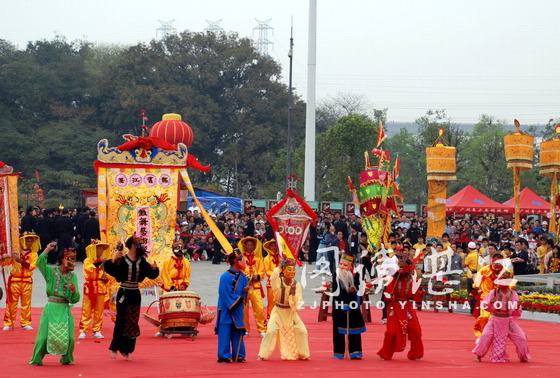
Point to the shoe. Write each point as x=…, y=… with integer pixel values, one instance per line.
x=82, y=336
x=224, y=360
x=246, y=333
x=239, y=359
x=7, y=328
x=126, y=356
x=158, y=334
x=113, y=354
x=383, y=321
x=27, y=328
x=98, y=335
x=263, y=334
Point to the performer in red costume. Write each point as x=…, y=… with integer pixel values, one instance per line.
x=401, y=314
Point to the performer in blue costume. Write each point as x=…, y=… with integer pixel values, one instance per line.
x=232, y=293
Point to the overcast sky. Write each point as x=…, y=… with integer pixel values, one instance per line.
x=496, y=57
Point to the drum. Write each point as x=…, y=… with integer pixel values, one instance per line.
x=179, y=309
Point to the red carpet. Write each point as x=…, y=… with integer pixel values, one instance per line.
x=447, y=338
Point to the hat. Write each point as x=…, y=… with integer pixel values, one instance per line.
x=471, y=245
x=91, y=250
x=184, y=223
x=36, y=241
x=544, y=223
x=347, y=258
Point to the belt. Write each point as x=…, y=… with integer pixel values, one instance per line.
x=499, y=315
x=58, y=300
x=282, y=306
x=129, y=285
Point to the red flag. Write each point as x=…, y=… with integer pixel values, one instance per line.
x=397, y=168
x=350, y=185
x=381, y=136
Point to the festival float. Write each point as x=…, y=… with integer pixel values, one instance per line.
x=138, y=193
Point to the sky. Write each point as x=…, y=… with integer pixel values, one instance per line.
x=494, y=57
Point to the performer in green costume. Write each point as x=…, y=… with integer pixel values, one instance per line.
x=56, y=330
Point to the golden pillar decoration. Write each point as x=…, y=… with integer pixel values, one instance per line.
x=549, y=167
x=441, y=167
x=519, y=156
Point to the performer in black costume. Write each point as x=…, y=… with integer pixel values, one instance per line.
x=129, y=270
x=348, y=323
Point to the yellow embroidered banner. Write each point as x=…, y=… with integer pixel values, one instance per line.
x=9, y=227
x=138, y=188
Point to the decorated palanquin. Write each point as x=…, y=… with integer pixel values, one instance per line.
x=9, y=227
x=138, y=189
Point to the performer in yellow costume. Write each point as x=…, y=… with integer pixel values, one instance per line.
x=252, y=252
x=270, y=262
x=285, y=326
x=176, y=271
x=484, y=281
x=95, y=289
x=20, y=283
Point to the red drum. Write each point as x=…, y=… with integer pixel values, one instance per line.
x=179, y=309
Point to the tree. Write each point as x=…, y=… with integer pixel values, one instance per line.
x=340, y=153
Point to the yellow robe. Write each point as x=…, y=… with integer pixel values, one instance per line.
x=95, y=291
x=176, y=271
x=20, y=289
x=542, y=250
x=285, y=327
x=270, y=262
x=254, y=268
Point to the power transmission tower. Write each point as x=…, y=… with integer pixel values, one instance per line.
x=214, y=27
x=165, y=29
x=262, y=42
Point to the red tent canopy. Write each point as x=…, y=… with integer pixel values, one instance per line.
x=530, y=203
x=470, y=201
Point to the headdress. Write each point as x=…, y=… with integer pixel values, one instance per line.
x=178, y=244
x=235, y=255
x=258, y=246
x=288, y=262
x=69, y=253
x=506, y=279
x=36, y=241
x=91, y=250
x=269, y=250
x=347, y=257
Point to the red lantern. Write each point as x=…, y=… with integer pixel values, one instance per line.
x=40, y=191
x=173, y=130
x=36, y=187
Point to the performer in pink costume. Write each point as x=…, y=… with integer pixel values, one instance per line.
x=504, y=305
